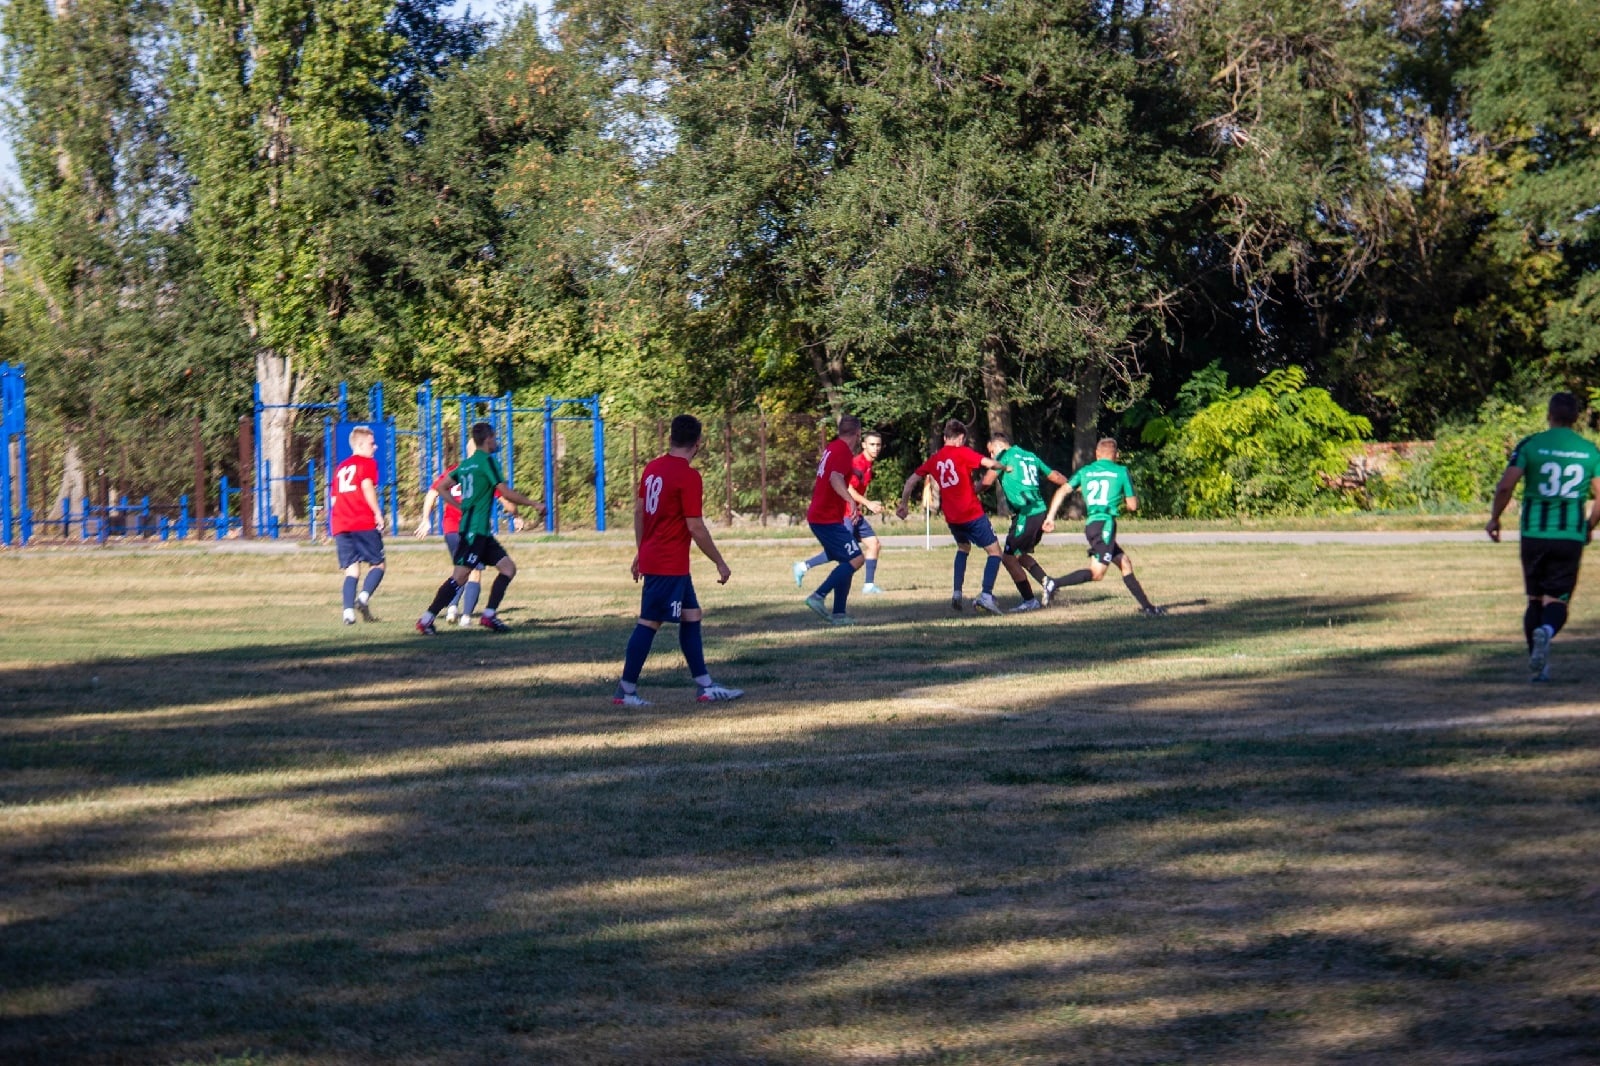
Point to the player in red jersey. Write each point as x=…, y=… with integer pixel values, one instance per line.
x=666, y=517
x=830, y=504
x=446, y=490
x=358, y=522
x=855, y=515
x=951, y=468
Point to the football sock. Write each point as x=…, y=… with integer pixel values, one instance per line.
x=1077, y=577
x=370, y=585
x=816, y=560
x=1137, y=590
x=1554, y=616
x=961, y=570
x=1531, y=619
x=1025, y=590
x=838, y=583
x=497, y=592
x=638, y=651
x=469, y=596
x=991, y=570
x=1031, y=565
x=350, y=593
x=441, y=599
x=693, y=650
x=872, y=570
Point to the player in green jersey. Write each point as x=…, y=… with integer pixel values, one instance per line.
x=1559, y=471
x=1106, y=491
x=480, y=479
x=1021, y=484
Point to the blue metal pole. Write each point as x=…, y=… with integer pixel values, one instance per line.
x=311, y=501
x=222, y=519
x=549, y=465
x=272, y=519
x=263, y=488
x=183, y=518
x=20, y=377
x=344, y=402
x=328, y=454
x=144, y=515
x=599, y=464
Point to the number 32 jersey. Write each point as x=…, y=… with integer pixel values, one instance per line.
x=1557, y=466
x=669, y=492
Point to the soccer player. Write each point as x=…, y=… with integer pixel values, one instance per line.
x=666, y=517
x=1106, y=490
x=951, y=467
x=450, y=523
x=830, y=496
x=481, y=481
x=1559, y=471
x=861, y=530
x=1021, y=486
x=358, y=522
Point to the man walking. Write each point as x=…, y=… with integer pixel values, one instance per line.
x=357, y=522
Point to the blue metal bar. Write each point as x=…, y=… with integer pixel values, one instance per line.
x=549, y=467
x=599, y=465
x=311, y=501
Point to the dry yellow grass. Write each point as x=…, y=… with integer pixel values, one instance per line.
x=1317, y=814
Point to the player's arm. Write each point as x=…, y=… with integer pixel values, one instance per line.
x=838, y=483
x=638, y=534
x=1594, y=508
x=1063, y=490
x=904, y=507
x=428, y=500
x=369, y=492
x=506, y=492
x=1131, y=503
x=1502, y=500
x=702, y=539
x=862, y=501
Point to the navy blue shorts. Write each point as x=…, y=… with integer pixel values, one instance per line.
x=359, y=548
x=978, y=532
x=666, y=597
x=478, y=552
x=837, y=542
x=452, y=544
x=860, y=529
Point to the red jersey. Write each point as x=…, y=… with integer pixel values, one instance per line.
x=827, y=507
x=669, y=492
x=450, y=495
x=860, y=480
x=351, y=512
x=951, y=468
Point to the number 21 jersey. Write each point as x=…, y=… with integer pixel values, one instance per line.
x=669, y=492
x=1557, y=466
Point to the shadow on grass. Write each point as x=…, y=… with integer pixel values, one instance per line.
x=976, y=890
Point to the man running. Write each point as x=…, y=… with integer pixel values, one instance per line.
x=1106, y=490
x=861, y=530
x=951, y=468
x=830, y=496
x=1021, y=486
x=447, y=491
x=357, y=522
x=667, y=515
x=1559, y=471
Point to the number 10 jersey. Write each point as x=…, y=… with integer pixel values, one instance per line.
x=1557, y=467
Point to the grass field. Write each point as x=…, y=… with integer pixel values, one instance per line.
x=1315, y=815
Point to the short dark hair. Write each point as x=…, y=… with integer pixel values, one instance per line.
x=685, y=431
x=872, y=433
x=849, y=425
x=1003, y=438
x=955, y=428
x=1564, y=409
x=481, y=432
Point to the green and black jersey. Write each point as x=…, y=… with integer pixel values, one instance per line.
x=1021, y=483
x=1557, y=467
x=478, y=475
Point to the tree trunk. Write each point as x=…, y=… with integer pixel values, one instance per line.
x=995, y=395
x=279, y=387
x=1086, y=416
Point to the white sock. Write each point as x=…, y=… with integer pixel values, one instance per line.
x=427, y=616
x=363, y=596
x=704, y=680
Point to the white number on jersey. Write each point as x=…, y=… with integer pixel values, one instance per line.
x=1030, y=474
x=652, y=493
x=1554, y=487
x=946, y=472
x=347, y=479
x=1097, y=493
x=465, y=485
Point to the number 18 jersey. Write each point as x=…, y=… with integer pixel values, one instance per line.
x=670, y=491
x=1557, y=466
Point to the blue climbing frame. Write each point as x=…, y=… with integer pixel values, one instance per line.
x=16, y=519
x=268, y=524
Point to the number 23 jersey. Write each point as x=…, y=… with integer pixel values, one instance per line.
x=669, y=492
x=1557, y=466
x=951, y=468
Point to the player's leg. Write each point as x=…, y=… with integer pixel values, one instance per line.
x=847, y=559
x=1553, y=576
x=492, y=554
x=959, y=568
x=441, y=598
x=372, y=547
x=653, y=611
x=1125, y=564
x=467, y=601
x=1016, y=538
x=800, y=568
x=1100, y=557
x=871, y=550
x=693, y=647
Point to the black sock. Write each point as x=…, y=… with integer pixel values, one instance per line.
x=442, y=598
x=1077, y=577
x=1531, y=619
x=1024, y=590
x=1555, y=616
x=1031, y=565
x=497, y=591
x=1137, y=590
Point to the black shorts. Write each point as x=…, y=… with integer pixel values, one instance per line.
x=1550, y=567
x=354, y=548
x=452, y=544
x=1099, y=548
x=1025, y=534
x=477, y=551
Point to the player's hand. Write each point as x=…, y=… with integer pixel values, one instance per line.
x=1493, y=529
x=723, y=573
x=421, y=530
x=901, y=510
x=874, y=506
x=1049, y=525
x=635, y=569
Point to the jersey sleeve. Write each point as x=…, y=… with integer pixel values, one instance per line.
x=973, y=460
x=1516, y=459
x=1076, y=480
x=442, y=483
x=926, y=468
x=1125, y=483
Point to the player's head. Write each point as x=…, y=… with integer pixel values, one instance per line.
x=955, y=431
x=871, y=443
x=685, y=431
x=1563, y=409
x=1105, y=448
x=483, y=436
x=849, y=428
x=998, y=443
x=363, y=441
